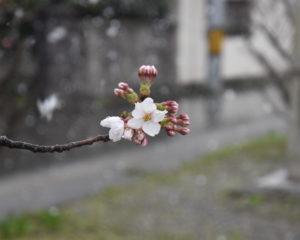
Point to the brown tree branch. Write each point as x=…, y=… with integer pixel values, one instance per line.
x=6, y=142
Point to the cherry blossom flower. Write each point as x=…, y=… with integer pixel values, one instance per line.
x=116, y=125
x=147, y=117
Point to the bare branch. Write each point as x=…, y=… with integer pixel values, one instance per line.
x=275, y=77
x=276, y=44
x=6, y=142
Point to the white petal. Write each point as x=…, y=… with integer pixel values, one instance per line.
x=138, y=111
x=116, y=134
x=135, y=123
x=151, y=128
x=112, y=121
x=117, y=124
x=148, y=106
x=105, y=122
x=158, y=116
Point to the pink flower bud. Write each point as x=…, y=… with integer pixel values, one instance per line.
x=183, y=131
x=183, y=117
x=119, y=92
x=166, y=103
x=123, y=86
x=171, y=106
x=169, y=127
x=145, y=142
x=147, y=73
x=186, y=123
x=172, y=120
x=173, y=109
x=183, y=123
x=171, y=133
x=174, y=103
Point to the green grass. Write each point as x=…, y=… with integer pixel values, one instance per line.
x=114, y=213
x=18, y=226
x=271, y=146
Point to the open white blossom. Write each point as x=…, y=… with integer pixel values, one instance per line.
x=116, y=125
x=147, y=117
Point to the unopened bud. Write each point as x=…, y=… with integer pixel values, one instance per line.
x=186, y=123
x=147, y=73
x=119, y=92
x=172, y=120
x=169, y=127
x=183, y=117
x=183, y=131
x=171, y=106
x=144, y=142
x=123, y=86
x=183, y=123
x=171, y=133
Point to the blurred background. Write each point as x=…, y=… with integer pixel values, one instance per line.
x=231, y=64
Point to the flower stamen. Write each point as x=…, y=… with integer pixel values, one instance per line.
x=147, y=117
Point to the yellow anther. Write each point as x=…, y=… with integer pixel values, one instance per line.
x=147, y=117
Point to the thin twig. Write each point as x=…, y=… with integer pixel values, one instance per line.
x=6, y=142
x=276, y=44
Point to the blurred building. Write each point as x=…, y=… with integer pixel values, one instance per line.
x=242, y=18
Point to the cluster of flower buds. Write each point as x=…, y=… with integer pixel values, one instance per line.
x=148, y=117
x=177, y=124
x=125, y=92
x=146, y=74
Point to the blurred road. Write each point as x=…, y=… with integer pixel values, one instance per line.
x=246, y=115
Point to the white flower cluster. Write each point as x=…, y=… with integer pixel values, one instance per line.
x=145, y=117
x=148, y=117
